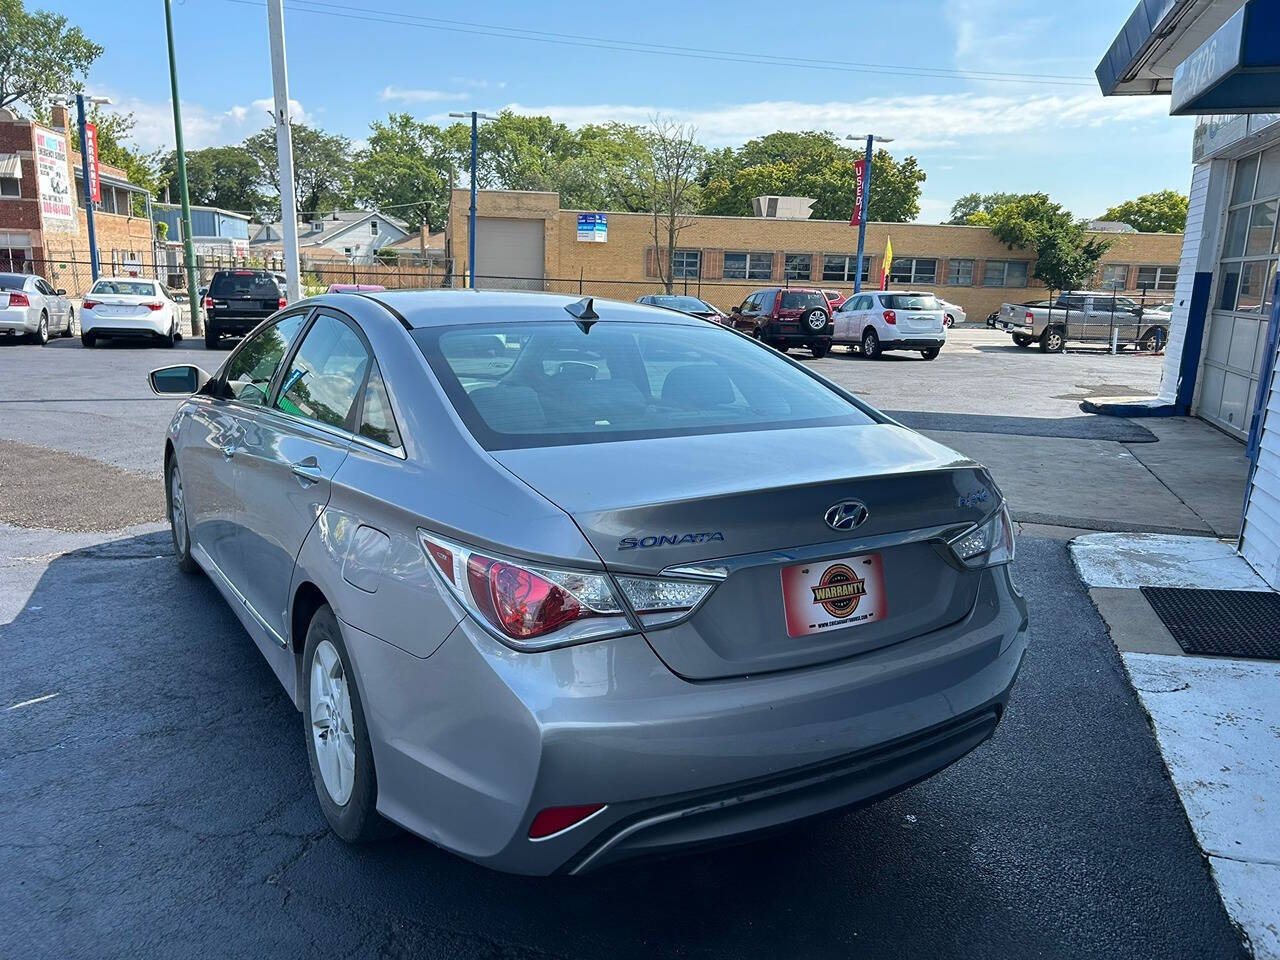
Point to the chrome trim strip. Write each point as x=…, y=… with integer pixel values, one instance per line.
x=334, y=432
x=207, y=562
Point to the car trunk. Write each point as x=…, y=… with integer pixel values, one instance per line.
x=117, y=307
x=246, y=299
x=755, y=504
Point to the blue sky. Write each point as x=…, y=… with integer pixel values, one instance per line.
x=348, y=66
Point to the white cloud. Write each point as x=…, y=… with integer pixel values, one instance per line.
x=475, y=84
x=408, y=95
x=201, y=126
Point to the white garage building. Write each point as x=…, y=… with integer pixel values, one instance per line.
x=1220, y=60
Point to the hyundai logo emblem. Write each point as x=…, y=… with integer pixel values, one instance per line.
x=846, y=515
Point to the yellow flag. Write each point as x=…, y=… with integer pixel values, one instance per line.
x=888, y=263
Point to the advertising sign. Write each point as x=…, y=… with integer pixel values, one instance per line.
x=593, y=228
x=91, y=148
x=53, y=178
x=859, y=171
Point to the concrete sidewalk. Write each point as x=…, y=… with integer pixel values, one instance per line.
x=1216, y=719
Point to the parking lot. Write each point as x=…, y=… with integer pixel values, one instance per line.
x=154, y=777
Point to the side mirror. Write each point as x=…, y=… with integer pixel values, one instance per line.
x=183, y=379
x=61, y=292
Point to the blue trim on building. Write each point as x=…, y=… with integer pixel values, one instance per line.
x=1193, y=341
x=1132, y=42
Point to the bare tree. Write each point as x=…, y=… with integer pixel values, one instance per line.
x=669, y=176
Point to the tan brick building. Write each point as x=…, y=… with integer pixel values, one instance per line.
x=525, y=240
x=43, y=227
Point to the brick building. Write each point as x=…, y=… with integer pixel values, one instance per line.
x=525, y=240
x=42, y=219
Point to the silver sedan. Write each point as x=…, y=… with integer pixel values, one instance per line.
x=558, y=583
x=31, y=307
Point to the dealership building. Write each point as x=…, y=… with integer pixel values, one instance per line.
x=525, y=240
x=1220, y=61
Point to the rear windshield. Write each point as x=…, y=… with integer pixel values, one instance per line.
x=12, y=281
x=793, y=300
x=910, y=301
x=687, y=304
x=132, y=288
x=256, y=285
x=550, y=383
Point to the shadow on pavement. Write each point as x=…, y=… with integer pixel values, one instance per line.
x=1090, y=427
x=160, y=805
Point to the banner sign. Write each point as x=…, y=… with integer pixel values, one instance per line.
x=53, y=180
x=91, y=148
x=859, y=169
x=593, y=227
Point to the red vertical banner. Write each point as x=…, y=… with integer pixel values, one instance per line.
x=859, y=171
x=90, y=146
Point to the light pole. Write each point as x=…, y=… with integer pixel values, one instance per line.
x=284, y=149
x=871, y=139
x=471, y=221
x=188, y=250
x=80, y=99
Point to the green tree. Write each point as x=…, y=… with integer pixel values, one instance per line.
x=668, y=173
x=115, y=149
x=810, y=164
x=1066, y=255
x=226, y=177
x=409, y=167
x=1162, y=212
x=976, y=208
x=322, y=170
x=40, y=56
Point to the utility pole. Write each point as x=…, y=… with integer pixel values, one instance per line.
x=284, y=149
x=88, y=185
x=471, y=221
x=188, y=251
x=866, y=199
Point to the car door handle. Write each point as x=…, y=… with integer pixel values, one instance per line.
x=307, y=470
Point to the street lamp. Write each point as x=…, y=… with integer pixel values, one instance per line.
x=471, y=221
x=80, y=100
x=871, y=139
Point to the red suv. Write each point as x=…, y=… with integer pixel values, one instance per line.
x=786, y=317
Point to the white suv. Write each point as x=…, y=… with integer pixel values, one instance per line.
x=891, y=320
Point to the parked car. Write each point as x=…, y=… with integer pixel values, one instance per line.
x=786, y=317
x=530, y=605
x=952, y=313
x=1083, y=316
x=129, y=308
x=351, y=287
x=31, y=307
x=994, y=315
x=685, y=304
x=237, y=301
x=891, y=320
x=834, y=299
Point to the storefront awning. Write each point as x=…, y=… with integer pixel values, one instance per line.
x=1237, y=70
x=1158, y=36
x=10, y=165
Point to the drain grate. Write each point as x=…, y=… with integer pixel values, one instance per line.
x=1220, y=623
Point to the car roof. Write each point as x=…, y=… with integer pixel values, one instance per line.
x=434, y=308
x=126, y=280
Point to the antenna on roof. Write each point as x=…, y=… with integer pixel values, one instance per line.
x=583, y=312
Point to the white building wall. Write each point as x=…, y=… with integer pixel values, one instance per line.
x=1260, y=539
x=1192, y=241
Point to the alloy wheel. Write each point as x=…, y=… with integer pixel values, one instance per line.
x=332, y=731
x=177, y=511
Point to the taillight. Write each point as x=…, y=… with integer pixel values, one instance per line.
x=554, y=820
x=1030, y=317
x=154, y=306
x=890, y=317
x=283, y=302
x=777, y=307
x=88, y=304
x=988, y=544
x=208, y=303
x=19, y=300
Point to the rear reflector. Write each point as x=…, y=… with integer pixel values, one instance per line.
x=555, y=819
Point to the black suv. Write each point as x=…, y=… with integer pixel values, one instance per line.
x=786, y=317
x=237, y=301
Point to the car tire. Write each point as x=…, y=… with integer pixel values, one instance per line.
x=179, y=529
x=816, y=320
x=1051, y=341
x=1023, y=340
x=71, y=324
x=819, y=350
x=1153, y=340
x=333, y=723
x=931, y=353
x=211, y=339
x=948, y=320
x=88, y=340
x=41, y=334
x=871, y=345
x=171, y=338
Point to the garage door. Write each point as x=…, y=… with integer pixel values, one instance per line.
x=1242, y=300
x=509, y=253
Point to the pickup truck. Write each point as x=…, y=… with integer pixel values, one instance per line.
x=1087, y=317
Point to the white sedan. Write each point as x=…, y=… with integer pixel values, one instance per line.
x=131, y=308
x=953, y=313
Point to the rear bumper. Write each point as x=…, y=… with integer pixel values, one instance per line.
x=18, y=321
x=233, y=325
x=155, y=325
x=472, y=742
x=913, y=343
x=1010, y=327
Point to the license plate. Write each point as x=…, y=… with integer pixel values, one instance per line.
x=109, y=311
x=833, y=594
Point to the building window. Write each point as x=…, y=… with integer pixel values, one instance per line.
x=913, y=270
x=960, y=273
x=798, y=266
x=1005, y=273
x=10, y=187
x=1115, y=276
x=373, y=228
x=1163, y=279
x=686, y=264
x=841, y=268
x=1249, y=246
x=748, y=266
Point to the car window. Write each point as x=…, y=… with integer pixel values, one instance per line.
x=377, y=422
x=12, y=281
x=250, y=369
x=558, y=384
x=326, y=374
x=911, y=301
x=798, y=300
x=132, y=288
x=244, y=284
x=43, y=286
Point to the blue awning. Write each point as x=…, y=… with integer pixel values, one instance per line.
x=1237, y=70
x=1117, y=72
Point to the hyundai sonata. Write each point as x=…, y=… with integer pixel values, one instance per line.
x=556, y=583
